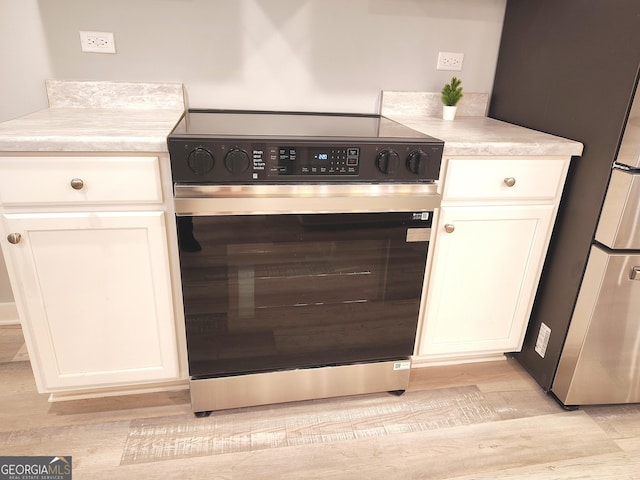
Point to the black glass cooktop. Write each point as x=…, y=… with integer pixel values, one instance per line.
x=226, y=146
x=256, y=124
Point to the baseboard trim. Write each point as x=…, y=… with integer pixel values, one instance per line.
x=421, y=362
x=9, y=314
x=133, y=390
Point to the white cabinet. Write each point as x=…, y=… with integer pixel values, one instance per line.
x=96, y=181
x=476, y=181
x=90, y=270
x=489, y=245
x=484, y=270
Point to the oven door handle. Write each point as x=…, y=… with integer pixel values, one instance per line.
x=194, y=200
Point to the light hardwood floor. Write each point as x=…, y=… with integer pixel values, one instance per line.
x=477, y=421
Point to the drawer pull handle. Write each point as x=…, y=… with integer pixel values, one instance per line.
x=449, y=228
x=77, y=183
x=14, y=238
x=635, y=273
x=509, y=181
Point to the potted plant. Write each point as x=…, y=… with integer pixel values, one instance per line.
x=451, y=95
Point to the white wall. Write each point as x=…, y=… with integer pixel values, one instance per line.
x=25, y=65
x=281, y=54
x=23, y=58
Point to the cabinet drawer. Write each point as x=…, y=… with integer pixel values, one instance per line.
x=504, y=179
x=76, y=180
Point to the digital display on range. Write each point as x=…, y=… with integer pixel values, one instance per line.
x=303, y=160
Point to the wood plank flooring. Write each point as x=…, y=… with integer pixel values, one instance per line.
x=477, y=421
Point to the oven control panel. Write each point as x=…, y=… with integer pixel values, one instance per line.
x=285, y=160
x=263, y=162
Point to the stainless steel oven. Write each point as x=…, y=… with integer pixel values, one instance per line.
x=301, y=284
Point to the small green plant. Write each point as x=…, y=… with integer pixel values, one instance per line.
x=452, y=92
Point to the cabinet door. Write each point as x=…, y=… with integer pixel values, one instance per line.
x=487, y=262
x=95, y=296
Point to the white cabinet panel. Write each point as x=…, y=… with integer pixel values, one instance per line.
x=504, y=179
x=98, y=296
x=97, y=180
x=485, y=270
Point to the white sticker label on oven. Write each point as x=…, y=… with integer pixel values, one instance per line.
x=418, y=234
x=401, y=366
x=423, y=216
x=543, y=340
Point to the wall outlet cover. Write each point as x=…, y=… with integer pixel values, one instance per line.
x=450, y=61
x=97, y=42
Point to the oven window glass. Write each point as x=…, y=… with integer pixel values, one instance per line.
x=272, y=292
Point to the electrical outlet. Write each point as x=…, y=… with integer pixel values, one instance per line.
x=450, y=61
x=97, y=42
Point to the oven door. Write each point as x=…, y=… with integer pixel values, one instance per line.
x=274, y=290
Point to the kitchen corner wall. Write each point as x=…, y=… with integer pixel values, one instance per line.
x=330, y=55
x=24, y=59
x=25, y=66
x=279, y=54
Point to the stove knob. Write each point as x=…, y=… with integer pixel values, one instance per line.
x=417, y=162
x=236, y=161
x=387, y=162
x=200, y=161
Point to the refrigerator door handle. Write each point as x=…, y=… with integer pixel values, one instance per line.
x=635, y=273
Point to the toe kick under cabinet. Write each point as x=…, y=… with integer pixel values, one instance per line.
x=489, y=246
x=85, y=242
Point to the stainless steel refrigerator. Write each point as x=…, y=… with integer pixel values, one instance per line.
x=571, y=68
x=600, y=361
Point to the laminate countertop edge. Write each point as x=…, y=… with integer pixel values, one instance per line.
x=90, y=130
x=483, y=136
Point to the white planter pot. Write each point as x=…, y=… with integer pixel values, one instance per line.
x=448, y=113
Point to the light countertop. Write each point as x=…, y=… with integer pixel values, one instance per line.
x=471, y=133
x=486, y=136
x=89, y=130
x=98, y=117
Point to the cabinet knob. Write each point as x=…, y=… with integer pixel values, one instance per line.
x=77, y=183
x=14, y=238
x=449, y=228
x=509, y=181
